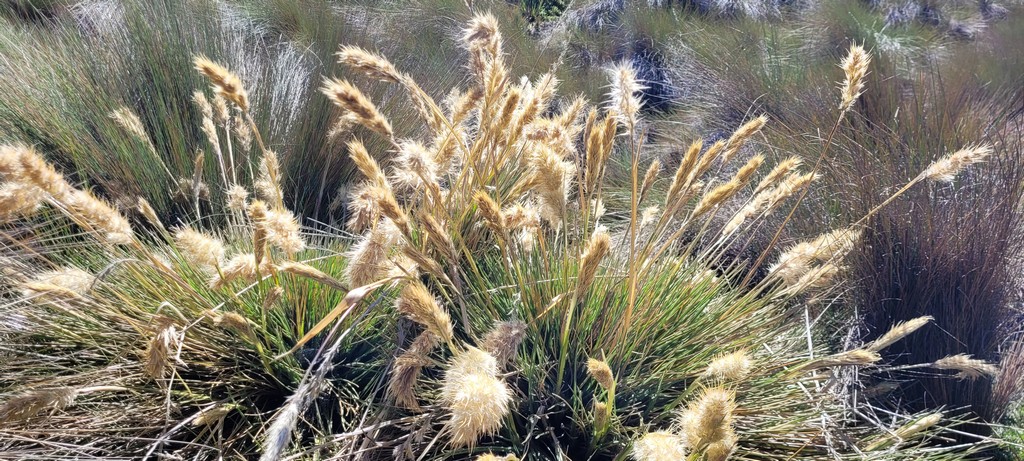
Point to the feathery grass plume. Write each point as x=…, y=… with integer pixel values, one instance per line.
x=907, y=431
x=475, y=398
x=855, y=66
x=597, y=248
x=503, y=340
x=350, y=98
x=242, y=131
x=780, y=171
x=232, y=321
x=420, y=306
x=257, y=215
x=624, y=99
x=199, y=248
x=310, y=272
x=897, y=332
x=279, y=435
x=240, y=267
x=365, y=163
x=680, y=180
x=490, y=211
x=162, y=348
x=18, y=199
x=54, y=399
x=851, y=358
x=373, y=65
x=66, y=281
x=710, y=154
x=484, y=42
x=946, y=168
x=23, y=164
x=601, y=415
x=709, y=418
x=268, y=180
x=201, y=102
x=130, y=122
x=408, y=367
x=147, y=211
x=237, y=198
x=415, y=168
x=766, y=201
x=97, y=214
x=227, y=84
x=748, y=169
x=368, y=258
x=734, y=366
x=551, y=177
x=796, y=262
x=601, y=372
x=659, y=446
x=717, y=196
x=649, y=177
x=600, y=139
x=722, y=449
x=220, y=110
x=969, y=368
x=741, y=136
x=816, y=277
x=283, y=231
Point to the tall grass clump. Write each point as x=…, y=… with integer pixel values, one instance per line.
x=491, y=304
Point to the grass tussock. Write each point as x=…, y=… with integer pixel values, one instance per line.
x=516, y=280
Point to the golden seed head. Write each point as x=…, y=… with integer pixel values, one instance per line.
x=227, y=84
x=373, y=65
x=855, y=66
x=709, y=418
x=898, y=332
x=351, y=99
x=476, y=399
x=659, y=446
x=601, y=372
x=969, y=368
x=730, y=367
x=199, y=248
x=852, y=358
x=417, y=303
x=238, y=198
x=946, y=168
x=597, y=248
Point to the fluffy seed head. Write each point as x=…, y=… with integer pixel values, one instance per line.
x=730, y=367
x=224, y=81
x=199, y=248
x=969, y=368
x=68, y=281
x=709, y=418
x=373, y=65
x=601, y=372
x=18, y=199
x=855, y=66
x=854, y=358
x=418, y=304
x=475, y=397
x=741, y=136
x=351, y=99
x=659, y=446
x=898, y=332
x=946, y=168
x=238, y=198
x=503, y=340
x=240, y=267
x=623, y=97
x=597, y=248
